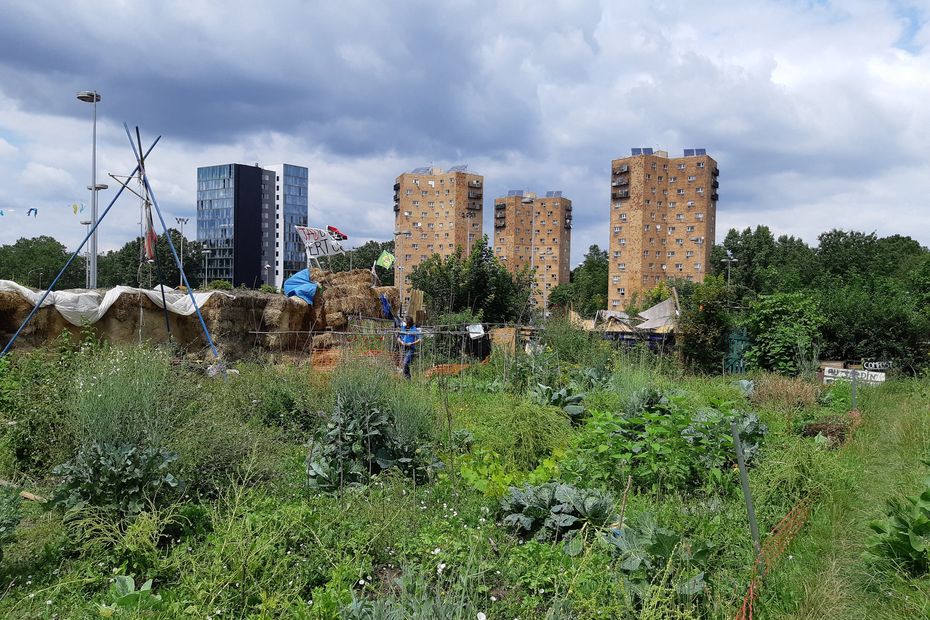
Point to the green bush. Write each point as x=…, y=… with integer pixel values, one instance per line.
x=662, y=442
x=120, y=478
x=215, y=449
x=785, y=330
x=650, y=555
x=563, y=399
x=10, y=515
x=33, y=432
x=219, y=285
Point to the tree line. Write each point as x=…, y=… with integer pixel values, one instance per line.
x=35, y=261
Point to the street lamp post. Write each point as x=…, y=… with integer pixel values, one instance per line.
x=86, y=224
x=92, y=96
x=267, y=273
x=729, y=260
x=181, y=222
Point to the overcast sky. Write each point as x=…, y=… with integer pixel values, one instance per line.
x=817, y=112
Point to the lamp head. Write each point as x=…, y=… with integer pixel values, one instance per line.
x=89, y=96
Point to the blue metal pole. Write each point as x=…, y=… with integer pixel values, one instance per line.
x=148, y=187
x=51, y=286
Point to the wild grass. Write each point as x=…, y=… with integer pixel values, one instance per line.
x=826, y=574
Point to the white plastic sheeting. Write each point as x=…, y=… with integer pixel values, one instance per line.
x=81, y=307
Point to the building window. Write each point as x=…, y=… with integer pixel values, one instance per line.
x=645, y=252
x=700, y=164
x=691, y=177
x=700, y=217
x=622, y=291
x=621, y=266
x=681, y=166
x=622, y=241
x=690, y=229
x=615, y=279
x=697, y=266
x=690, y=203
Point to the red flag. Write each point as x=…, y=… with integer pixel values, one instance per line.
x=150, y=237
x=337, y=234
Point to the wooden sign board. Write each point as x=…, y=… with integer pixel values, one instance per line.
x=867, y=377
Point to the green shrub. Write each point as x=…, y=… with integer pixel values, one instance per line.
x=214, y=449
x=9, y=515
x=219, y=285
x=667, y=444
x=784, y=329
x=33, y=430
x=563, y=399
x=554, y=511
x=119, y=478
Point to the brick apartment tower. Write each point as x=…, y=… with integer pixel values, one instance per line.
x=535, y=232
x=663, y=214
x=435, y=211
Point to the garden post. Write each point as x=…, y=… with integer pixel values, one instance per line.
x=747, y=494
x=853, y=390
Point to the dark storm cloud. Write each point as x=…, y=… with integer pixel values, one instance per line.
x=404, y=78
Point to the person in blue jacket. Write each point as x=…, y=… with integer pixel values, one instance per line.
x=408, y=339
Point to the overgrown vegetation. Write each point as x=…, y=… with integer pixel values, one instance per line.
x=579, y=481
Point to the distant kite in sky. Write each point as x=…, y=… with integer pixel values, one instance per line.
x=77, y=207
x=33, y=212
x=2, y=213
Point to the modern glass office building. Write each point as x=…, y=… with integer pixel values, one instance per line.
x=291, y=185
x=246, y=217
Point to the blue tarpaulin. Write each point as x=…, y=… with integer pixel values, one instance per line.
x=386, y=307
x=301, y=285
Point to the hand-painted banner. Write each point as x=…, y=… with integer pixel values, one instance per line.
x=318, y=242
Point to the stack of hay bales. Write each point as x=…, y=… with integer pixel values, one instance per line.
x=350, y=294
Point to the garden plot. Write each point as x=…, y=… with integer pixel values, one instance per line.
x=582, y=482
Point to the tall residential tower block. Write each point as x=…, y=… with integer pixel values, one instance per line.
x=663, y=215
x=535, y=232
x=435, y=212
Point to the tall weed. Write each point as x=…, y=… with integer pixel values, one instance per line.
x=128, y=395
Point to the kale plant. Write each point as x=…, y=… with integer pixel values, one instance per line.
x=649, y=554
x=358, y=442
x=117, y=477
x=554, y=511
x=563, y=399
